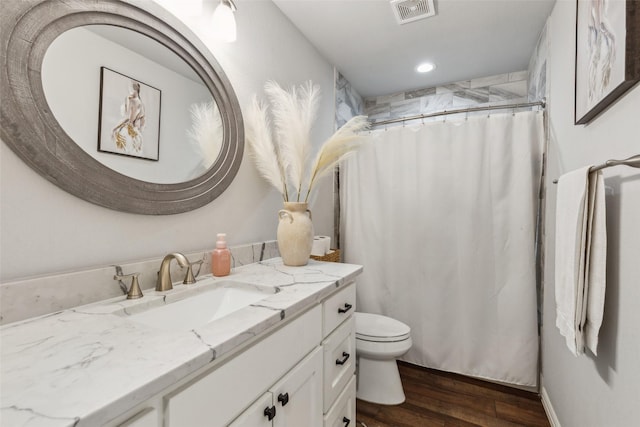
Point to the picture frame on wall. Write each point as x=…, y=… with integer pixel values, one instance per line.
x=607, y=54
x=129, y=116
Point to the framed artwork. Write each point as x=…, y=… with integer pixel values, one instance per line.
x=607, y=54
x=129, y=122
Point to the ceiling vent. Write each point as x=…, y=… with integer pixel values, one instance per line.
x=412, y=10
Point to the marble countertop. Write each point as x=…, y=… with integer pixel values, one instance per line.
x=85, y=366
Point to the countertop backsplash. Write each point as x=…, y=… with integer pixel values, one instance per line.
x=26, y=298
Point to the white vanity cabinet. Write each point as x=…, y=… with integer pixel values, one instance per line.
x=329, y=401
x=301, y=375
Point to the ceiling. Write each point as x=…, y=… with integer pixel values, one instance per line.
x=465, y=39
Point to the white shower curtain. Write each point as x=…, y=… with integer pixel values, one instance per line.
x=442, y=217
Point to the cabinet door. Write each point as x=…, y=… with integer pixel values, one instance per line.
x=298, y=396
x=255, y=415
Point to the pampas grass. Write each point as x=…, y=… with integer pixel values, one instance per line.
x=206, y=132
x=338, y=147
x=282, y=152
x=294, y=112
x=261, y=147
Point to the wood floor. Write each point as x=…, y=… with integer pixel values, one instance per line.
x=437, y=398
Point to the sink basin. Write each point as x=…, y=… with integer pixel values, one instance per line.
x=201, y=308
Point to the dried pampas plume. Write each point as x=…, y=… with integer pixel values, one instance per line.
x=294, y=112
x=343, y=143
x=206, y=133
x=282, y=154
x=261, y=147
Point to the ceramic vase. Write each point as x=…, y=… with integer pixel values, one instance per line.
x=295, y=233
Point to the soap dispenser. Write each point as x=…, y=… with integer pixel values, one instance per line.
x=221, y=257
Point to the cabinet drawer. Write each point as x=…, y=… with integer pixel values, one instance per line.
x=221, y=395
x=343, y=412
x=338, y=308
x=339, y=360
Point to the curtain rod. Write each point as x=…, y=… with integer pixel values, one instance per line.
x=633, y=161
x=461, y=110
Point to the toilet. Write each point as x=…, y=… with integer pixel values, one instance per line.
x=379, y=341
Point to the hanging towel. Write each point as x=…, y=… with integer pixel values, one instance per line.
x=596, y=277
x=580, y=258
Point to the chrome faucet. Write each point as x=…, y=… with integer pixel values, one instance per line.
x=164, y=275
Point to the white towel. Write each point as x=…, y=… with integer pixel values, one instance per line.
x=596, y=270
x=580, y=258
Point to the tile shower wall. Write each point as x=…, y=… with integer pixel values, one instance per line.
x=538, y=68
x=348, y=102
x=485, y=91
x=48, y=294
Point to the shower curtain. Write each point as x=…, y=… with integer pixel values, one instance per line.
x=442, y=216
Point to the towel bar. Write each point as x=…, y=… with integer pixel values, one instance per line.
x=633, y=161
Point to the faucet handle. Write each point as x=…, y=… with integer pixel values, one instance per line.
x=134, y=291
x=189, y=277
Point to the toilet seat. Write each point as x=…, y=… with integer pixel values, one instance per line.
x=377, y=328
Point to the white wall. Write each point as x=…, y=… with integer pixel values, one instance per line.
x=603, y=390
x=46, y=230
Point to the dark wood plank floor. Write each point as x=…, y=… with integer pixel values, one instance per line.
x=436, y=398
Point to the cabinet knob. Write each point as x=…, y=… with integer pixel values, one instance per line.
x=346, y=308
x=346, y=421
x=283, y=398
x=270, y=413
x=345, y=357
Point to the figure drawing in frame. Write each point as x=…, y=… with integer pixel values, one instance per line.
x=607, y=54
x=129, y=116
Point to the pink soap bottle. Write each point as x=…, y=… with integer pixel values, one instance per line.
x=221, y=257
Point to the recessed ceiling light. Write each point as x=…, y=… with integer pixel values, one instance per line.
x=425, y=67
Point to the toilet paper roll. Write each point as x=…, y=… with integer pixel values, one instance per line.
x=327, y=243
x=319, y=247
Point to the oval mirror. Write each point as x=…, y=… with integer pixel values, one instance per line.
x=118, y=104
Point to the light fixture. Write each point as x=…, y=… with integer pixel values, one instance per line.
x=223, y=21
x=425, y=67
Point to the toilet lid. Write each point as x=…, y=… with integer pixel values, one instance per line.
x=374, y=327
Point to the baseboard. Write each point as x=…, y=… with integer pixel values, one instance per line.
x=548, y=408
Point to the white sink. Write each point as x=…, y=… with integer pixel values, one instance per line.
x=204, y=307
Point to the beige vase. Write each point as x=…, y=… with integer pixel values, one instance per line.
x=295, y=233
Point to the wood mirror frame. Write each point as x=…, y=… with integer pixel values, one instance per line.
x=28, y=127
